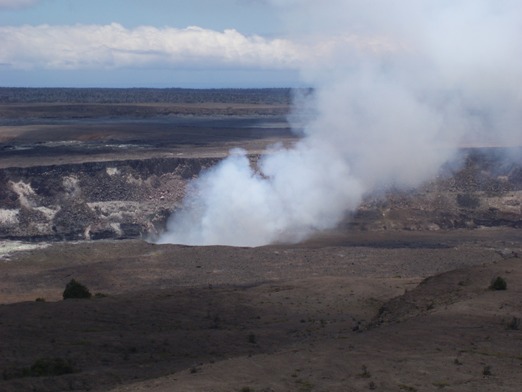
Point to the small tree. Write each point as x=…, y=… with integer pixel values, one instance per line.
x=75, y=289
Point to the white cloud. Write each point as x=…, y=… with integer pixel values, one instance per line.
x=14, y=4
x=113, y=46
x=79, y=47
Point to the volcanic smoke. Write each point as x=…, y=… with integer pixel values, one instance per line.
x=398, y=87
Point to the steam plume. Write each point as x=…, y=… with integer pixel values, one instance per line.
x=398, y=87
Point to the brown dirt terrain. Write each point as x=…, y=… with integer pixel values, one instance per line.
x=316, y=316
x=381, y=304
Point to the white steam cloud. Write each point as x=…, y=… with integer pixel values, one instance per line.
x=399, y=86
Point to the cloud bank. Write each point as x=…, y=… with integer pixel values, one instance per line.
x=80, y=47
x=399, y=86
x=114, y=46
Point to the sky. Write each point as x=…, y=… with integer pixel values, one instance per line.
x=137, y=43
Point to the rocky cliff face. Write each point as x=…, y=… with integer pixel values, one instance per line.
x=483, y=189
x=133, y=198
x=117, y=199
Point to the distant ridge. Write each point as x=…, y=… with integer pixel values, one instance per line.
x=144, y=95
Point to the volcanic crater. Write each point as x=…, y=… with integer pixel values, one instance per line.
x=396, y=298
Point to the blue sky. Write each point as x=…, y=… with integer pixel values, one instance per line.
x=133, y=43
x=247, y=16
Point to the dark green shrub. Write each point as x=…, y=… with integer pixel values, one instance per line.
x=514, y=324
x=12, y=373
x=498, y=283
x=51, y=367
x=75, y=289
x=365, y=373
x=43, y=367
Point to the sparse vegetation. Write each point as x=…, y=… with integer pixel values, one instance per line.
x=75, y=289
x=514, y=324
x=43, y=367
x=304, y=385
x=40, y=299
x=404, y=387
x=252, y=339
x=365, y=373
x=486, y=371
x=12, y=373
x=498, y=283
x=51, y=367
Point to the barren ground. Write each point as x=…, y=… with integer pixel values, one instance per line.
x=349, y=310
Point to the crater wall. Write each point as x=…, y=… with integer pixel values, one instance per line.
x=134, y=198
x=118, y=199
